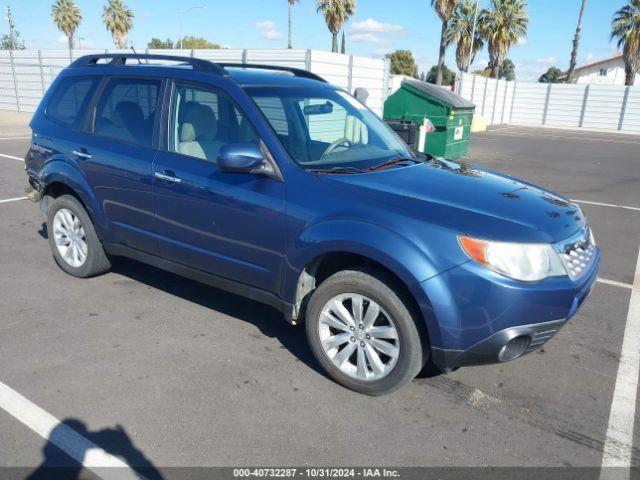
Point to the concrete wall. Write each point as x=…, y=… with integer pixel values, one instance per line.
x=613, y=107
x=26, y=74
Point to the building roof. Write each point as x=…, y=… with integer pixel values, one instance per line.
x=599, y=62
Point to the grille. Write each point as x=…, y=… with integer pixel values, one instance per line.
x=577, y=254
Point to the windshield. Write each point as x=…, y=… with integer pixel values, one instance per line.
x=329, y=130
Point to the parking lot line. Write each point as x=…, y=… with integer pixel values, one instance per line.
x=613, y=205
x=615, y=283
x=618, y=445
x=80, y=449
x=7, y=200
x=562, y=137
x=11, y=157
x=15, y=138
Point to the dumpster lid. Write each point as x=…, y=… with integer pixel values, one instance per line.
x=442, y=94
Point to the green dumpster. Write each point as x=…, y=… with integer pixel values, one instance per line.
x=450, y=114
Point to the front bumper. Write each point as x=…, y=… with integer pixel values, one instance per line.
x=472, y=313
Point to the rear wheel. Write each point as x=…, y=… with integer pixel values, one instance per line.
x=73, y=239
x=361, y=329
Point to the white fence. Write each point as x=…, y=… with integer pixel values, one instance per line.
x=611, y=107
x=26, y=74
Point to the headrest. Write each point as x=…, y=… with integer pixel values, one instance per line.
x=203, y=120
x=187, y=133
x=129, y=111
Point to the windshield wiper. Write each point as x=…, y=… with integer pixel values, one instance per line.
x=392, y=162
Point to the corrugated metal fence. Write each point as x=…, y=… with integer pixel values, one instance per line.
x=613, y=107
x=26, y=74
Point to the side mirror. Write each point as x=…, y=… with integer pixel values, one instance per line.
x=241, y=158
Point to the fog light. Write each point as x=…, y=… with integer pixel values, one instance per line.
x=513, y=348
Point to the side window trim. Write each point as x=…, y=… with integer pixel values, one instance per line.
x=90, y=121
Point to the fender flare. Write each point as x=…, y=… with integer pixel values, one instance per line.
x=61, y=171
x=378, y=243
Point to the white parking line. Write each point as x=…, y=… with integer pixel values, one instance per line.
x=615, y=283
x=15, y=138
x=82, y=450
x=626, y=207
x=618, y=445
x=562, y=137
x=16, y=199
x=11, y=157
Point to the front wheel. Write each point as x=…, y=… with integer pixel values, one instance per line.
x=361, y=329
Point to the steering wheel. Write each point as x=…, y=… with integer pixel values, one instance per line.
x=336, y=144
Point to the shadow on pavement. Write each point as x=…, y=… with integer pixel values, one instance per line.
x=114, y=441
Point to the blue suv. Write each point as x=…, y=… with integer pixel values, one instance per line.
x=272, y=184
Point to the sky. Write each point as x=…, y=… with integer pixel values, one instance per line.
x=378, y=27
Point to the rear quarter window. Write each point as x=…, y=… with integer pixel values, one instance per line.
x=70, y=99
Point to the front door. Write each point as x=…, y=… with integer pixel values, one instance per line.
x=227, y=224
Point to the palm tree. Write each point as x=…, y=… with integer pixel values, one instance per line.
x=336, y=13
x=118, y=19
x=460, y=29
x=576, y=41
x=444, y=9
x=626, y=29
x=502, y=26
x=291, y=4
x=67, y=17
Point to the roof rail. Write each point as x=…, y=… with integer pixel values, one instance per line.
x=298, y=72
x=198, y=64
x=120, y=59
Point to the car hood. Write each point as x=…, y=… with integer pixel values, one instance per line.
x=470, y=200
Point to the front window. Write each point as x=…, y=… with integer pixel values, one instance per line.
x=329, y=130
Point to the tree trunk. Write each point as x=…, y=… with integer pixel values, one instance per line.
x=334, y=42
x=629, y=76
x=343, y=45
x=70, y=41
x=576, y=41
x=289, y=45
x=443, y=48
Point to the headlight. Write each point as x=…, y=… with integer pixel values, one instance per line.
x=528, y=262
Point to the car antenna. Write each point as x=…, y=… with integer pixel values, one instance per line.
x=134, y=51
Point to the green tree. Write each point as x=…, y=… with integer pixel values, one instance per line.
x=626, y=29
x=448, y=76
x=502, y=26
x=291, y=4
x=66, y=15
x=444, y=9
x=403, y=63
x=6, y=43
x=553, y=75
x=159, y=44
x=196, y=43
x=118, y=19
x=336, y=13
x=460, y=29
x=576, y=41
x=508, y=70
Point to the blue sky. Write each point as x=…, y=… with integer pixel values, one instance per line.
x=378, y=26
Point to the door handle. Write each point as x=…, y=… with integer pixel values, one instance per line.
x=81, y=155
x=166, y=177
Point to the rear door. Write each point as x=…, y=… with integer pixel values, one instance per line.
x=117, y=157
x=227, y=224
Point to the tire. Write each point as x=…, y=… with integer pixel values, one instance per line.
x=64, y=211
x=395, y=310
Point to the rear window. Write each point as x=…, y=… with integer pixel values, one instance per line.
x=70, y=100
x=127, y=108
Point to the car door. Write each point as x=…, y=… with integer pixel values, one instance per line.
x=117, y=157
x=227, y=224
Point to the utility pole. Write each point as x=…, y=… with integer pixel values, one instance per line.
x=12, y=40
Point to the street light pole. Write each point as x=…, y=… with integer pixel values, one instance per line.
x=12, y=40
x=180, y=13
x=473, y=35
